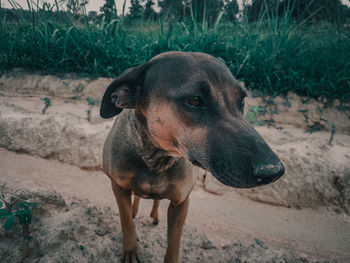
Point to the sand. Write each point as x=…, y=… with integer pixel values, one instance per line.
x=77, y=221
x=54, y=161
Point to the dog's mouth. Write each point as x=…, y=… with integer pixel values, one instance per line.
x=224, y=178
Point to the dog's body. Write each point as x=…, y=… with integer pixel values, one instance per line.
x=182, y=108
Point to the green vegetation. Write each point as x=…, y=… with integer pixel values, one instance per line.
x=47, y=103
x=77, y=92
x=252, y=115
x=16, y=208
x=275, y=53
x=91, y=102
x=333, y=131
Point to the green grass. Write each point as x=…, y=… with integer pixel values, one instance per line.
x=274, y=55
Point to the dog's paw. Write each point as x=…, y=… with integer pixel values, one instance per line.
x=155, y=218
x=130, y=257
x=130, y=249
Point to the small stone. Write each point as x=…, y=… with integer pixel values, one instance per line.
x=205, y=242
x=225, y=247
x=336, y=103
x=101, y=232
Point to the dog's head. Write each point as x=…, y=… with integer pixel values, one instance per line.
x=193, y=107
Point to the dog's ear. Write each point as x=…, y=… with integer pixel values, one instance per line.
x=122, y=92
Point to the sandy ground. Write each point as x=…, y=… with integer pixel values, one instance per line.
x=77, y=221
x=317, y=174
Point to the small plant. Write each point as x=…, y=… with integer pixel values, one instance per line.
x=315, y=127
x=252, y=114
x=333, y=131
x=77, y=91
x=16, y=208
x=91, y=102
x=47, y=103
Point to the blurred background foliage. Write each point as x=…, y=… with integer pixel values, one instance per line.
x=273, y=46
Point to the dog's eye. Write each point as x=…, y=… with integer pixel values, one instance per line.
x=195, y=101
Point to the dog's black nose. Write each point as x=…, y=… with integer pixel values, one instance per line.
x=268, y=173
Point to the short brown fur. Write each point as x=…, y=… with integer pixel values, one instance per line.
x=179, y=108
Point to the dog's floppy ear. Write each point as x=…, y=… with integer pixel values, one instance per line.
x=121, y=93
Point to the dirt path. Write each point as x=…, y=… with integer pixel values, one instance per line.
x=223, y=228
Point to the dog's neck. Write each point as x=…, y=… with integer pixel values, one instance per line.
x=156, y=158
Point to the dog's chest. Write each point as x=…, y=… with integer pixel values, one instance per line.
x=175, y=187
x=133, y=161
x=150, y=186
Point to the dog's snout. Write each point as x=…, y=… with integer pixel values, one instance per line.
x=267, y=173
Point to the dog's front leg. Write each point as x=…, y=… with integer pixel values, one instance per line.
x=128, y=227
x=135, y=206
x=176, y=219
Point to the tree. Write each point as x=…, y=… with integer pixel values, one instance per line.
x=92, y=14
x=208, y=10
x=316, y=10
x=172, y=9
x=320, y=10
x=136, y=9
x=180, y=9
x=149, y=12
x=109, y=10
x=76, y=6
x=231, y=10
x=261, y=8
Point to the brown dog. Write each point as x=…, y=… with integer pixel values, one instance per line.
x=183, y=108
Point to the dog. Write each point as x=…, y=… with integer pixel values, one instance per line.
x=177, y=110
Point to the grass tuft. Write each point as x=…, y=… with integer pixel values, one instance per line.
x=274, y=55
